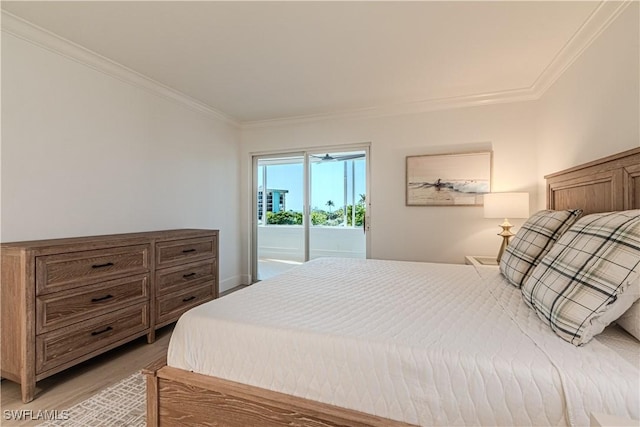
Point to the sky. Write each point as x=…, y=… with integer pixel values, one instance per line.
x=327, y=183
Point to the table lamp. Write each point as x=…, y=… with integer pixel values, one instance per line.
x=506, y=205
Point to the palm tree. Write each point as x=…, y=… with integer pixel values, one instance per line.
x=363, y=199
x=330, y=204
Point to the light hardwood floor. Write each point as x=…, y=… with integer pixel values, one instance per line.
x=63, y=390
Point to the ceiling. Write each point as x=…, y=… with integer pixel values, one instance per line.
x=256, y=61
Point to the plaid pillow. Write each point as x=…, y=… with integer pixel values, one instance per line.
x=532, y=242
x=585, y=280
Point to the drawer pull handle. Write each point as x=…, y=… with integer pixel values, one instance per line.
x=188, y=298
x=186, y=251
x=186, y=276
x=109, y=264
x=106, y=297
x=107, y=329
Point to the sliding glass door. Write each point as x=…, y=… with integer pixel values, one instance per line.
x=338, y=204
x=308, y=205
x=280, y=199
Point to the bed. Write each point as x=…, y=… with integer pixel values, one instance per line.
x=388, y=343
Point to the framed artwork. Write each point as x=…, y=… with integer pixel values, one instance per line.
x=448, y=179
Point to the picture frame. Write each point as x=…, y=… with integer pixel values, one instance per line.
x=458, y=179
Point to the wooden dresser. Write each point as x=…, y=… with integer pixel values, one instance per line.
x=64, y=301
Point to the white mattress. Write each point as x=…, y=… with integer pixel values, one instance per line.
x=427, y=344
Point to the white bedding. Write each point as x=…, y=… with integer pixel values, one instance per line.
x=427, y=344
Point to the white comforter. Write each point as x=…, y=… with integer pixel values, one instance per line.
x=427, y=344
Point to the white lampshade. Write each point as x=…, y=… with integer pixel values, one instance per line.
x=506, y=205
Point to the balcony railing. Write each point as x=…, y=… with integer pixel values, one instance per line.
x=286, y=242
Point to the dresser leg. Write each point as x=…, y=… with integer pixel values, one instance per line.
x=28, y=389
x=151, y=337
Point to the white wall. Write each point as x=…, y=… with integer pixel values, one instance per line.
x=439, y=234
x=593, y=110
x=86, y=154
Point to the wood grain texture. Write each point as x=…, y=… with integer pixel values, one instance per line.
x=69, y=270
x=608, y=184
x=186, y=273
x=71, y=342
x=170, y=307
x=632, y=180
x=48, y=246
x=176, y=252
x=11, y=337
x=190, y=399
x=155, y=365
x=176, y=278
x=53, y=290
x=28, y=351
x=152, y=398
x=65, y=308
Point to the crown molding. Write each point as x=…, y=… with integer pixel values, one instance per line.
x=602, y=16
x=25, y=30
x=599, y=20
x=417, y=107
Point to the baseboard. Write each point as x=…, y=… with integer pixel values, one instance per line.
x=232, y=290
x=232, y=282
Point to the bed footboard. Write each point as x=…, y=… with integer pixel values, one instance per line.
x=178, y=397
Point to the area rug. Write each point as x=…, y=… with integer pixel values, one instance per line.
x=122, y=404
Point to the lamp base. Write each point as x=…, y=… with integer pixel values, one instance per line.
x=506, y=237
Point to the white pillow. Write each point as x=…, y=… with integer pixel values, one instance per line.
x=630, y=320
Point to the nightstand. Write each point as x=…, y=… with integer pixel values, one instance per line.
x=481, y=261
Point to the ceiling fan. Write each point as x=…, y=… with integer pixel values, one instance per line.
x=327, y=157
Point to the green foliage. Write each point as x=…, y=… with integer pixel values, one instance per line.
x=330, y=204
x=318, y=217
x=321, y=217
x=335, y=218
x=360, y=213
x=284, y=218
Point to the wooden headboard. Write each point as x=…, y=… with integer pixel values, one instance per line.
x=604, y=185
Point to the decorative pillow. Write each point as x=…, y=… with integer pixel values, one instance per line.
x=630, y=320
x=532, y=242
x=579, y=286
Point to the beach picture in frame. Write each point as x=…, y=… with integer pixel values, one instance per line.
x=448, y=179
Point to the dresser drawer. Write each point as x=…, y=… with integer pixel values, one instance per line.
x=64, y=271
x=176, y=278
x=66, y=344
x=65, y=308
x=169, y=307
x=183, y=251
